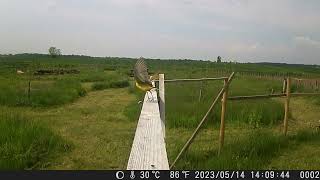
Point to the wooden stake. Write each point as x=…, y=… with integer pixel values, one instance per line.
x=200, y=92
x=286, y=107
x=284, y=86
x=29, y=91
x=223, y=112
x=162, y=106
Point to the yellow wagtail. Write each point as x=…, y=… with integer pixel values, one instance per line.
x=141, y=77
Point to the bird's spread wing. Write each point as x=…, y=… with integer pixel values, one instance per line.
x=141, y=72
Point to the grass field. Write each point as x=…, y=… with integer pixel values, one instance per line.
x=253, y=148
x=25, y=143
x=88, y=120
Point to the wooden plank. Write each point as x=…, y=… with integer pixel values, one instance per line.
x=196, y=131
x=148, y=150
x=162, y=106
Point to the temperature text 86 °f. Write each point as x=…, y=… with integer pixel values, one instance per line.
x=149, y=174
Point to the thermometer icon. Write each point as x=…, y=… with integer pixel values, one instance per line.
x=132, y=176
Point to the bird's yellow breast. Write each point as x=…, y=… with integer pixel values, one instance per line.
x=144, y=87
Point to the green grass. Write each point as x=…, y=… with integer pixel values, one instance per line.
x=133, y=109
x=26, y=144
x=105, y=79
x=190, y=110
x=15, y=93
x=61, y=92
x=98, y=117
x=252, y=151
x=96, y=76
x=258, y=149
x=110, y=84
x=98, y=129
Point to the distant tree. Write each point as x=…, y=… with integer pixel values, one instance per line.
x=218, y=59
x=54, y=52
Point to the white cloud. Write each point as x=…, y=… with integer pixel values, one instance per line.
x=306, y=41
x=200, y=29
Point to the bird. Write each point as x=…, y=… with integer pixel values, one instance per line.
x=141, y=77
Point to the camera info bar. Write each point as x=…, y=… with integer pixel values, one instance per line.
x=168, y=174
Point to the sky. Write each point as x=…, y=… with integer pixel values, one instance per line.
x=243, y=30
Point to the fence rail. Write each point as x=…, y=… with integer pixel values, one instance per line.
x=304, y=94
x=192, y=80
x=256, y=96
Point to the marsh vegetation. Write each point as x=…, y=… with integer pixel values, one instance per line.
x=87, y=120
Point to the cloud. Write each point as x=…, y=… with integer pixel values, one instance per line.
x=202, y=29
x=306, y=41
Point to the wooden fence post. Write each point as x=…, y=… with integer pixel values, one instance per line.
x=223, y=112
x=29, y=91
x=286, y=107
x=200, y=92
x=284, y=86
x=162, y=103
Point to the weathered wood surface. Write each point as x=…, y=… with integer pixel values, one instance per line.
x=148, y=149
x=162, y=104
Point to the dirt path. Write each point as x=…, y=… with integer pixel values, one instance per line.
x=96, y=126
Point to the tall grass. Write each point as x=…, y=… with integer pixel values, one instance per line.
x=95, y=76
x=110, y=84
x=105, y=79
x=25, y=144
x=185, y=110
x=132, y=110
x=15, y=93
x=253, y=151
x=61, y=92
